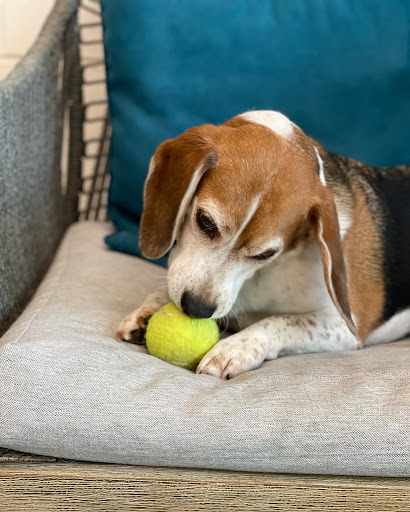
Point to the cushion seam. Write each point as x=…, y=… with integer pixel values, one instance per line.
x=52, y=292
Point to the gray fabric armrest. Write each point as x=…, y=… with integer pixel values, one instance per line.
x=31, y=204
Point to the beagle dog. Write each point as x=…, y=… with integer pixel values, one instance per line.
x=299, y=249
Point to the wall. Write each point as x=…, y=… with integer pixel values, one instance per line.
x=20, y=23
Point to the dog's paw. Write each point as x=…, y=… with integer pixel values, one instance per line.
x=132, y=328
x=231, y=357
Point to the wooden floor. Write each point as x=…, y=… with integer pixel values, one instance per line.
x=60, y=486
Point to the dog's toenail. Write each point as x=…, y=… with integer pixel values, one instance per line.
x=137, y=337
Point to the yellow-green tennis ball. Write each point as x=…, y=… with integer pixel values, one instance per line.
x=178, y=338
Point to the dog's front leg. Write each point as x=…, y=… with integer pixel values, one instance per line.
x=132, y=328
x=274, y=336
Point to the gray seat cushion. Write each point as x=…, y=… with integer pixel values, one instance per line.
x=68, y=389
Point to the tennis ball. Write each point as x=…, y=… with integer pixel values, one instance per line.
x=178, y=338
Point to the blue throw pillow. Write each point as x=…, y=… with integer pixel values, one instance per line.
x=338, y=69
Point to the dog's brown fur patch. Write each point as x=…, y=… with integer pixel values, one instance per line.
x=363, y=250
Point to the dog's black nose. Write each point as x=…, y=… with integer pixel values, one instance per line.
x=193, y=306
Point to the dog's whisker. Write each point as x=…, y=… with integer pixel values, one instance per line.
x=242, y=312
x=160, y=278
x=224, y=319
x=237, y=319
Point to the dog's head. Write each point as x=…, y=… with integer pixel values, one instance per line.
x=235, y=197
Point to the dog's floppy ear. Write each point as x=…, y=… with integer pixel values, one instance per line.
x=326, y=226
x=174, y=174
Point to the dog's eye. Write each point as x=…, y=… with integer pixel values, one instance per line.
x=264, y=255
x=206, y=224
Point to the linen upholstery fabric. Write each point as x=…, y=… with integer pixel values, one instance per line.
x=68, y=389
x=31, y=222
x=338, y=69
